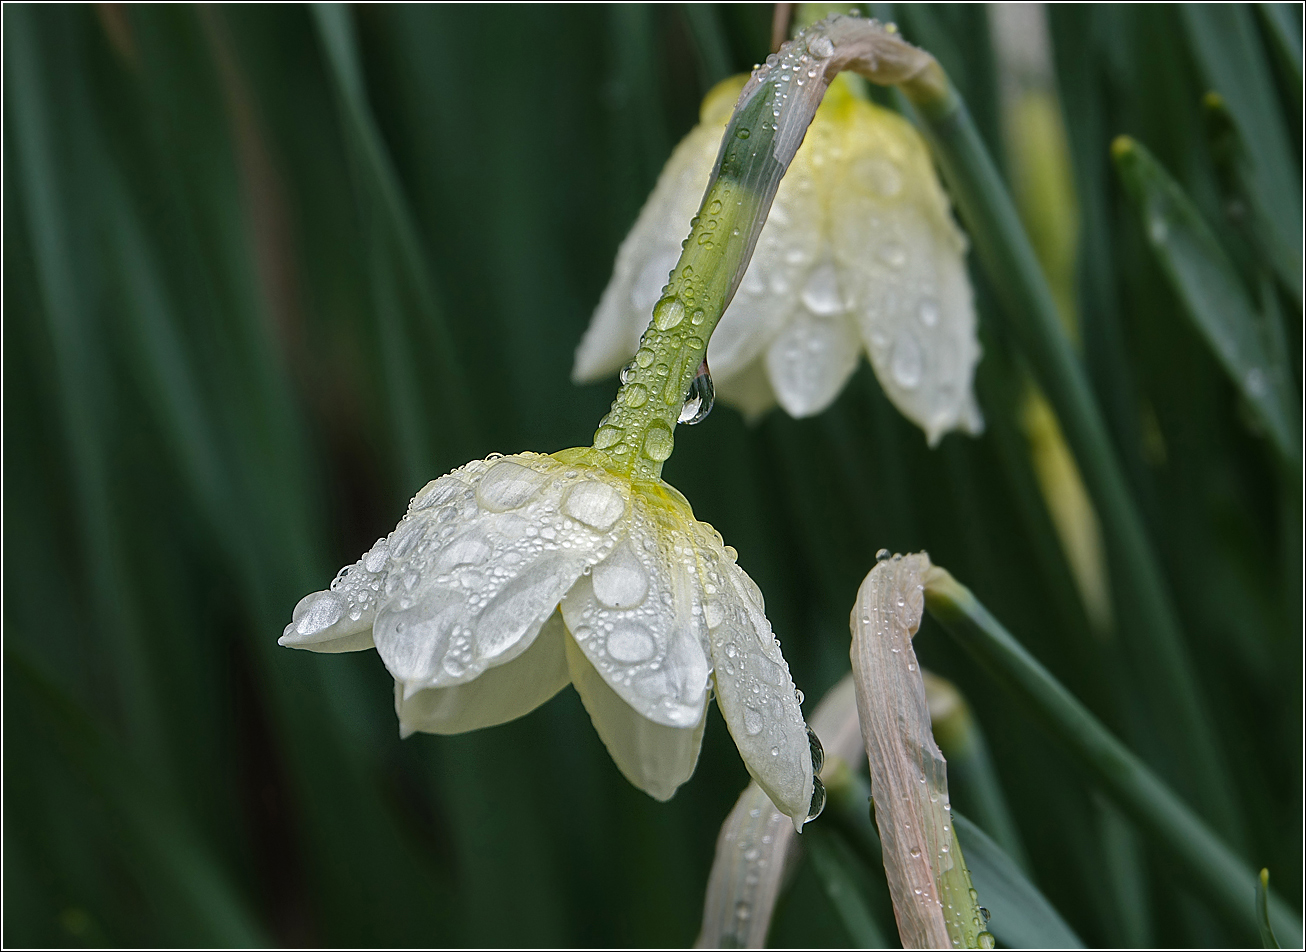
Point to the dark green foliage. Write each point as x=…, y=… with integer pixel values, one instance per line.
x=269, y=269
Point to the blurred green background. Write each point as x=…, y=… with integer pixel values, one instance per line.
x=269, y=269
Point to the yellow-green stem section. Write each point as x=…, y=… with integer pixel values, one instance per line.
x=637, y=432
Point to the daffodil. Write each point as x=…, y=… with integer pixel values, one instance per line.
x=859, y=251
x=512, y=577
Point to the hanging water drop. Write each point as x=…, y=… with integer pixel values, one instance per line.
x=818, y=799
x=818, y=752
x=627, y=370
x=699, y=398
x=881, y=555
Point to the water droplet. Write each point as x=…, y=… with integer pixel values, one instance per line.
x=607, y=436
x=699, y=398
x=752, y=720
x=984, y=912
x=698, y=315
x=619, y=580
x=669, y=312
x=626, y=371
x=742, y=132
x=658, y=442
x=636, y=395
x=985, y=940
x=929, y=312
x=881, y=555
x=509, y=485
x=915, y=851
x=594, y=503
x=818, y=752
x=818, y=799
x=800, y=697
x=821, y=292
x=908, y=363
x=644, y=356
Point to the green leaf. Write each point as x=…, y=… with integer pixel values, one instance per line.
x=1212, y=292
x=1022, y=918
x=1152, y=633
x=1220, y=874
x=843, y=879
x=1227, y=47
x=1268, y=941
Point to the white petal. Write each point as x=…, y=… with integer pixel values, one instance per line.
x=646, y=257
x=904, y=263
x=753, y=687
x=341, y=619
x=654, y=757
x=811, y=360
x=481, y=561
x=634, y=617
x=499, y=695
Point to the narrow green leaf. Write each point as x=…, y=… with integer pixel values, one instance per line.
x=1268, y=941
x=1211, y=290
x=837, y=868
x=713, y=51
x=1022, y=918
x=1229, y=51
x=178, y=864
x=1153, y=634
x=1215, y=869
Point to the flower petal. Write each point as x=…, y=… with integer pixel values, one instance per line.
x=499, y=695
x=654, y=757
x=481, y=561
x=811, y=360
x=904, y=260
x=340, y=619
x=635, y=616
x=753, y=686
x=646, y=257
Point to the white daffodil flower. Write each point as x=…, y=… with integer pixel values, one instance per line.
x=513, y=576
x=859, y=250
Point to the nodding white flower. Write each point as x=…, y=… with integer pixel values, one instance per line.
x=513, y=576
x=860, y=249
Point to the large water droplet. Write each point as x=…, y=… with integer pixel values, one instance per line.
x=985, y=940
x=669, y=312
x=818, y=752
x=594, y=503
x=818, y=799
x=619, y=580
x=699, y=398
x=752, y=720
x=821, y=292
x=658, y=442
x=908, y=363
x=881, y=555
x=636, y=395
x=820, y=47
x=607, y=436
x=509, y=485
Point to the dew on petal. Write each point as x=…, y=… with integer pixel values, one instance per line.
x=509, y=485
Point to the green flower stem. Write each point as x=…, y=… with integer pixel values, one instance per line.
x=767, y=127
x=1155, y=635
x=637, y=432
x=1225, y=880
